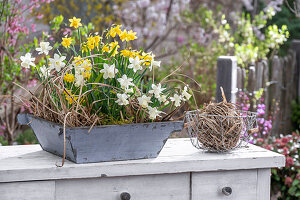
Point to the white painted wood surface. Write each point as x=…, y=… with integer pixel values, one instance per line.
x=29, y=162
x=152, y=187
x=208, y=185
x=35, y=190
x=263, y=183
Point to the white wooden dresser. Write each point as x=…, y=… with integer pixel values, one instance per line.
x=181, y=172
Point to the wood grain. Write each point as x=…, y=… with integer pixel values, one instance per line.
x=29, y=162
x=35, y=190
x=209, y=185
x=152, y=187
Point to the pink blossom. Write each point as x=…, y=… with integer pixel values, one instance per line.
x=289, y=162
x=33, y=28
x=288, y=181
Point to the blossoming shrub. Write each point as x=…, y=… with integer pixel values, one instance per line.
x=16, y=26
x=287, y=179
x=104, y=81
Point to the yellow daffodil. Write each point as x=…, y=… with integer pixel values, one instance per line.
x=76, y=60
x=84, y=48
x=90, y=45
x=126, y=53
x=115, y=30
x=105, y=48
x=69, y=78
x=66, y=42
x=97, y=39
x=147, y=57
x=75, y=22
x=69, y=97
x=131, y=35
x=123, y=35
x=114, y=45
x=87, y=75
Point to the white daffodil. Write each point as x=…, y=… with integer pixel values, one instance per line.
x=176, y=99
x=109, y=71
x=128, y=90
x=156, y=90
x=57, y=62
x=125, y=82
x=44, y=72
x=162, y=98
x=122, y=99
x=135, y=64
x=153, y=112
x=27, y=61
x=185, y=94
x=79, y=79
x=154, y=64
x=144, y=100
x=44, y=48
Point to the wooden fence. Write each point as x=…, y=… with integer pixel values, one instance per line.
x=279, y=77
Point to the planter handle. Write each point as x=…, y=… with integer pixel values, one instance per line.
x=23, y=119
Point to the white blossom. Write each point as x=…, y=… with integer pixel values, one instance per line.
x=154, y=64
x=125, y=82
x=57, y=62
x=135, y=64
x=109, y=71
x=44, y=72
x=44, y=48
x=79, y=77
x=153, y=112
x=156, y=90
x=185, y=94
x=128, y=90
x=27, y=61
x=122, y=99
x=144, y=100
x=176, y=99
x=162, y=98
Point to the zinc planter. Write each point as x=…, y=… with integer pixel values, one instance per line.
x=103, y=143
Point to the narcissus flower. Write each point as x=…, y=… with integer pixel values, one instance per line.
x=57, y=62
x=135, y=64
x=125, y=53
x=69, y=78
x=122, y=99
x=66, y=42
x=115, y=30
x=79, y=79
x=27, y=61
x=44, y=72
x=156, y=90
x=125, y=82
x=153, y=112
x=75, y=22
x=105, y=48
x=109, y=71
x=44, y=48
x=176, y=99
x=144, y=101
x=123, y=35
x=131, y=35
x=185, y=94
x=114, y=46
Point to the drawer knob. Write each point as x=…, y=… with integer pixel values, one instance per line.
x=125, y=196
x=227, y=191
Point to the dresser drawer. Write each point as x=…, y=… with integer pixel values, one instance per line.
x=150, y=187
x=242, y=184
x=32, y=190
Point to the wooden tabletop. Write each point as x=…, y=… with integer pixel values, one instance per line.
x=30, y=162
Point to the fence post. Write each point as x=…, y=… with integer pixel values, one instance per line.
x=295, y=45
x=227, y=78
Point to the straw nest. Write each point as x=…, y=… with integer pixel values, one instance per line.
x=218, y=126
